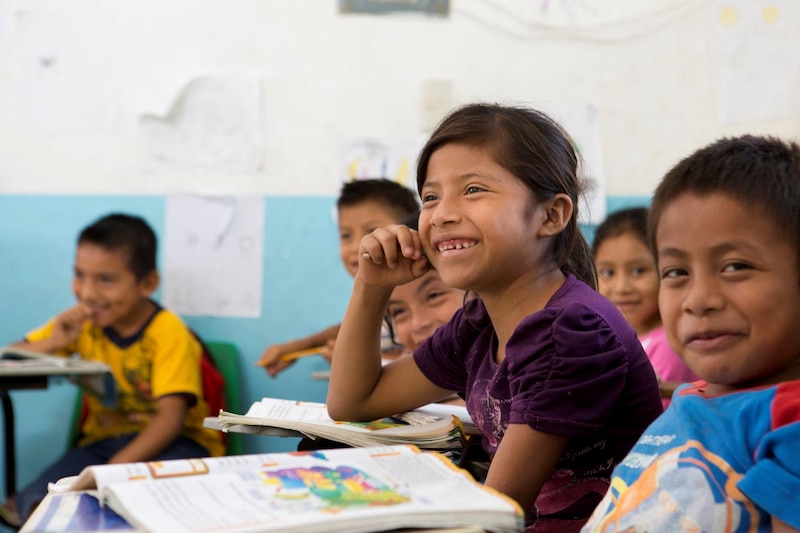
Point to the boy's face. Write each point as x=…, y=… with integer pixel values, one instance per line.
x=103, y=282
x=729, y=297
x=627, y=276
x=356, y=221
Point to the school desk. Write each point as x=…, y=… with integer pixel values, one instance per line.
x=23, y=369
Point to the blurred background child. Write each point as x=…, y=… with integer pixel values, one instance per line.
x=627, y=275
x=154, y=358
x=362, y=206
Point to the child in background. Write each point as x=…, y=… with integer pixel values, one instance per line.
x=552, y=374
x=154, y=357
x=725, y=225
x=363, y=205
x=626, y=273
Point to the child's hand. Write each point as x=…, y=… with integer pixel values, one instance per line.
x=391, y=256
x=67, y=325
x=271, y=360
x=327, y=350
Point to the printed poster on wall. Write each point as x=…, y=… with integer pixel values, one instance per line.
x=756, y=61
x=359, y=158
x=214, y=254
x=583, y=125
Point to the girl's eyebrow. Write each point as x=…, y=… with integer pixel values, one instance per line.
x=462, y=177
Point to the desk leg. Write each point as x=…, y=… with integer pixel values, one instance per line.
x=10, y=443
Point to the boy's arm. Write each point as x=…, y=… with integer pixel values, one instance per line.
x=66, y=329
x=779, y=526
x=161, y=431
x=270, y=359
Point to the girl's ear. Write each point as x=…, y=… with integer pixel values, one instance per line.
x=558, y=212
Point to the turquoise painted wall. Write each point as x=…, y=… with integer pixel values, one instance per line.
x=305, y=289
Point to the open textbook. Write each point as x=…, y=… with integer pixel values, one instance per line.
x=433, y=427
x=340, y=490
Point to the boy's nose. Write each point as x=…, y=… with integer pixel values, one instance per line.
x=702, y=296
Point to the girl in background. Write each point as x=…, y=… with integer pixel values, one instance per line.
x=628, y=277
x=552, y=374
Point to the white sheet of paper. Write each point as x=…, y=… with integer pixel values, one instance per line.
x=583, y=125
x=215, y=124
x=366, y=158
x=757, y=59
x=214, y=254
x=3, y=32
x=66, y=67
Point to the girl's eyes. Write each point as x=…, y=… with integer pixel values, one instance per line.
x=395, y=313
x=429, y=197
x=434, y=296
x=605, y=273
x=671, y=273
x=735, y=267
x=472, y=189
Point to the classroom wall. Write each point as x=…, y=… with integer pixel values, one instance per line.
x=646, y=67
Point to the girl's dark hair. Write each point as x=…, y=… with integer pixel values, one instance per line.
x=533, y=147
x=632, y=220
x=759, y=172
x=128, y=233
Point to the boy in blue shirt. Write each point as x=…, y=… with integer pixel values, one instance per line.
x=725, y=225
x=154, y=357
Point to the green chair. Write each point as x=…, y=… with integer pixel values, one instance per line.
x=226, y=359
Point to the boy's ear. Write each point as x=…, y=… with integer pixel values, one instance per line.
x=558, y=212
x=149, y=283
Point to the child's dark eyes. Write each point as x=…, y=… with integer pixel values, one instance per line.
x=671, y=273
x=735, y=267
x=472, y=189
x=396, y=313
x=429, y=197
x=434, y=295
x=606, y=272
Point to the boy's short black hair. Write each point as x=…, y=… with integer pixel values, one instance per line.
x=393, y=195
x=762, y=172
x=631, y=220
x=411, y=220
x=129, y=233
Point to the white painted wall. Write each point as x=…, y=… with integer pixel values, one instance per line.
x=326, y=75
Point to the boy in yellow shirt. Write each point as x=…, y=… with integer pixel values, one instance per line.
x=154, y=357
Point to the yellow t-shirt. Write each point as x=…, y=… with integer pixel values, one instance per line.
x=163, y=358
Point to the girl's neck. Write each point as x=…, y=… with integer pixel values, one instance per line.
x=520, y=299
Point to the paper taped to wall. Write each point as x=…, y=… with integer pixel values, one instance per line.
x=215, y=124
